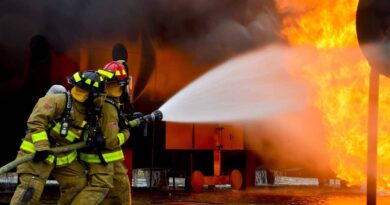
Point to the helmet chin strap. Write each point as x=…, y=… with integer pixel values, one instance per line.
x=125, y=97
x=89, y=101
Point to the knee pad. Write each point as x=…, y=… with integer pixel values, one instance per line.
x=27, y=194
x=32, y=187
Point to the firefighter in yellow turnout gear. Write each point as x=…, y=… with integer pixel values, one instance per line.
x=56, y=120
x=102, y=168
x=117, y=80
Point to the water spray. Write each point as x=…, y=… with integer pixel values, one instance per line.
x=255, y=85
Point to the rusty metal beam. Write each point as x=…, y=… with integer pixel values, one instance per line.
x=372, y=137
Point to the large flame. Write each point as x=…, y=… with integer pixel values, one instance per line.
x=340, y=77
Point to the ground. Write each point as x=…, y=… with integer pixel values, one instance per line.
x=258, y=195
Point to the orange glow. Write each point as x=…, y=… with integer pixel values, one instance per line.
x=339, y=77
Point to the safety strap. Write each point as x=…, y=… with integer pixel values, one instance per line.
x=101, y=158
x=66, y=116
x=113, y=103
x=118, y=110
x=91, y=132
x=120, y=136
x=62, y=125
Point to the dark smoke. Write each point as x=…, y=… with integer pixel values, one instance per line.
x=209, y=29
x=215, y=30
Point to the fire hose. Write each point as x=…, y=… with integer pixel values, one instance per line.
x=156, y=115
x=55, y=150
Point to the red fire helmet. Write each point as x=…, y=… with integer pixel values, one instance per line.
x=118, y=73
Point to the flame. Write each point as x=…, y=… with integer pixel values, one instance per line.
x=340, y=77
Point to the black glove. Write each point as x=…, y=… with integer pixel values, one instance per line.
x=125, y=119
x=41, y=155
x=124, y=122
x=136, y=115
x=139, y=116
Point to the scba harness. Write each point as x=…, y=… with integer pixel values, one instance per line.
x=60, y=127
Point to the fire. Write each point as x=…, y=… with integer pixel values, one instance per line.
x=340, y=78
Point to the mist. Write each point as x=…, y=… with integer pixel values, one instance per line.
x=251, y=86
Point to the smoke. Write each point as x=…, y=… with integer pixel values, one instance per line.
x=64, y=23
x=221, y=27
x=299, y=138
x=377, y=55
x=224, y=29
x=291, y=140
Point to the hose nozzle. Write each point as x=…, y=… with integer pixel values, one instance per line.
x=154, y=116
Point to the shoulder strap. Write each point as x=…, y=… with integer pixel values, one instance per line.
x=123, y=121
x=113, y=103
x=66, y=115
x=68, y=101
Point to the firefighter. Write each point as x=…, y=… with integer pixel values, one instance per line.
x=117, y=82
x=57, y=120
x=107, y=173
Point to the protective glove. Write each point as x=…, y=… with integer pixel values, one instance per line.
x=136, y=115
x=124, y=122
x=125, y=119
x=41, y=155
x=139, y=116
